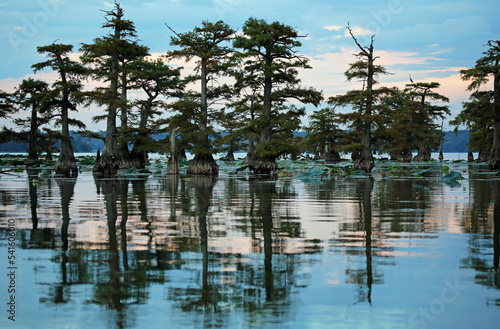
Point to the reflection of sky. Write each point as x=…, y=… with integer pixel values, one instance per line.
x=324, y=267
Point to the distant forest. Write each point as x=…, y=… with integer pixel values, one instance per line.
x=453, y=143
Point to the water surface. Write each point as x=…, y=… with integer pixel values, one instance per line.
x=246, y=252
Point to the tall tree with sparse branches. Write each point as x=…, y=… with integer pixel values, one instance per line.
x=366, y=103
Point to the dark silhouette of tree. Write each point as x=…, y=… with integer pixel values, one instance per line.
x=64, y=96
x=207, y=44
x=487, y=66
x=268, y=51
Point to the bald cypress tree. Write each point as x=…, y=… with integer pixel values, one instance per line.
x=428, y=134
x=30, y=95
x=270, y=56
x=64, y=95
x=107, y=58
x=366, y=104
x=488, y=67
x=208, y=45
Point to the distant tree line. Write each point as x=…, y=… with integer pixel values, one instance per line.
x=246, y=85
x=455, y=142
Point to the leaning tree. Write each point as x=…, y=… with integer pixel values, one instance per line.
x=269, y=54
x=486, y=67
x=207, y=44
x=64, y=95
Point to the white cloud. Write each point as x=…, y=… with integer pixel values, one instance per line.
x=333, y=27
x=442, y=51
x=358, y=30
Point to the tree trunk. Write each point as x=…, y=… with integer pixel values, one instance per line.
x=32, y=152
x=127, y=160
x=404, y=156
x=263, y=166
x=332, y=156
x=66, y=164
x=108, y=163
x=265, y=163
x=250, y=151
x=203, y=164
x=230, y=155
x=365, y=159
x=424, y=154
x=173, y=162
x=494, y=159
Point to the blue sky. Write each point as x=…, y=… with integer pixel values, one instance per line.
x=431, y=40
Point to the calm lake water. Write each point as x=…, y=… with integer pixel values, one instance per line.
x=243, y=252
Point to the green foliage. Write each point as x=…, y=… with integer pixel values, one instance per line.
x=478, y=115
x=270, y=77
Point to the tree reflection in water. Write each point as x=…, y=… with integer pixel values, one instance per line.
x=119, y=287
x=482, y=221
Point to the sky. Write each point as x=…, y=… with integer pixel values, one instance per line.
x=431, y=40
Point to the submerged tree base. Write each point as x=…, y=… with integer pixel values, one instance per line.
x=203, y=164
x=363, y=161
x=333, y=157
x=173, y=165
x=106, y=165
x=66, y=164
x=66, y=169
x=264, y=166
x=422, y=156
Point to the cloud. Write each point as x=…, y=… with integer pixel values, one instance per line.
x=333, y=27
x=358, y=30
x=442, y=51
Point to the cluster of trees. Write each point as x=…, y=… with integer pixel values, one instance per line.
x=247, y=86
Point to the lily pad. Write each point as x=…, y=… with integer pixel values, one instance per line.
x=452, y=178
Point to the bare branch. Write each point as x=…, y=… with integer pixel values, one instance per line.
x=171, y=29
x=356, y=40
